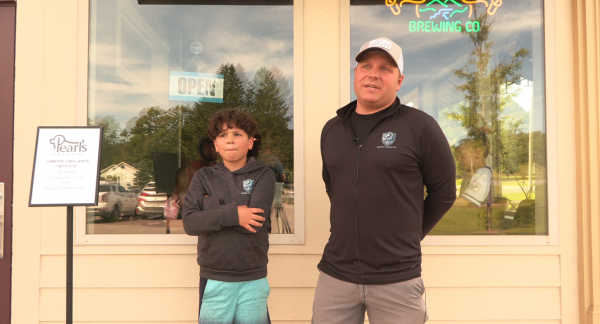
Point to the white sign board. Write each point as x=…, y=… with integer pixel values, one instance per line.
x=192, y=86
x=66, y=167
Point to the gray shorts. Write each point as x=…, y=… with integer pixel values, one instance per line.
x=342, y=302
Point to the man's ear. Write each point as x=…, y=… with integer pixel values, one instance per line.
x=400, y=79
x=215, y=144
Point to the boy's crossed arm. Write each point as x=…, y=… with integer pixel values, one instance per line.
x=247, y=216
x=244, y=219
x=261, y=200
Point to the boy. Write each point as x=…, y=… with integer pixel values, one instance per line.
x=225, y=207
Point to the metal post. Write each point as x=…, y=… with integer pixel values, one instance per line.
x=489, y=207
x=69, y=264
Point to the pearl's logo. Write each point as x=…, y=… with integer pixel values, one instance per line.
x=61, y=145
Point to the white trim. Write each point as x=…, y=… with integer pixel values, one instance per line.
x=552, y=239
x=299, y=150
x=80, y=236
x=345, y=61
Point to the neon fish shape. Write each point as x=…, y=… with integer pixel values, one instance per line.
x=444, y=12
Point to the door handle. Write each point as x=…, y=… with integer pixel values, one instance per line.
x=1, y=220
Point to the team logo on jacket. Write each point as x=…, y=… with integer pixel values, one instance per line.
x=248, y=185
x=388, y=139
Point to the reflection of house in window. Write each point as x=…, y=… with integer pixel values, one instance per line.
x=122, y=173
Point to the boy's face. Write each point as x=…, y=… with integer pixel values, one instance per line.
x=233, y=145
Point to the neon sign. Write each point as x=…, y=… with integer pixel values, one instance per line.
x=446, y=10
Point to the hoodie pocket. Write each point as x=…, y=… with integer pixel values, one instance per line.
x=229, y=250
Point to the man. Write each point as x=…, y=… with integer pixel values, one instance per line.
x=377, y=156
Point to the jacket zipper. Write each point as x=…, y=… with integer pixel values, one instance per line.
x=362, y=277
x=359, y=142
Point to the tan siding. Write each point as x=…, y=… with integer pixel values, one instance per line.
x=139, y=271
x=122, y=271
x=293, y=270
x=162, y=271
x=127, y=305
x=494, y=303
x=54, y=224
x=491, y=271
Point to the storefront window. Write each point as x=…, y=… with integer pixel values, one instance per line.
x=157, y=70
x=477, y=67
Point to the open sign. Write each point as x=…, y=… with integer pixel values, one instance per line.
x=191, y=86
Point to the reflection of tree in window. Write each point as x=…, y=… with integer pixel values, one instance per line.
x=268, y=97
x=264, y=98
x=480, y=114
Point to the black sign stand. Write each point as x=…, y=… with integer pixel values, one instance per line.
x=69, y=204
x=69, y=264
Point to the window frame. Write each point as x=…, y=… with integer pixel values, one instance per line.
x=551, y=86
x=297, y=238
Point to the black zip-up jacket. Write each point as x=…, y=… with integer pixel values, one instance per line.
x=375, y=186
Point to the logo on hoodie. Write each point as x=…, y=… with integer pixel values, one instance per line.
x=248, y=185
x=388, y=139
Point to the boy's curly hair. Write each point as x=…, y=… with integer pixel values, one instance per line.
x=233, y=118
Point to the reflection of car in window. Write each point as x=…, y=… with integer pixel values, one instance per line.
x=114, y=201
x=150, y=203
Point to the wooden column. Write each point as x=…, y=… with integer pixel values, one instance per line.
x=586, y=37
x=7, y=81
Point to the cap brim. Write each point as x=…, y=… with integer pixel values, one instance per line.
x=360, y=55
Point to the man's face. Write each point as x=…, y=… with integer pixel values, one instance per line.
x=233, y=144
x=376, y=80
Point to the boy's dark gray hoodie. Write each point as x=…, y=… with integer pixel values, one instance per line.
x=226, y=250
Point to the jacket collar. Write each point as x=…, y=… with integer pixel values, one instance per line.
x=345, y=112
x=251, y=165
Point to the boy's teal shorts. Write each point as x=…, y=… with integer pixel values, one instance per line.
x=243, y=302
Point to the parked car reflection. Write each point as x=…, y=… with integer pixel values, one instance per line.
x=114, y=201
x=150, y=203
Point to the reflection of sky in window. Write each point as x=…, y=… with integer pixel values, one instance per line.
x=156, y=39
x=430, y=58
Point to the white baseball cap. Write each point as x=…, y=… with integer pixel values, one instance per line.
x=385, y=45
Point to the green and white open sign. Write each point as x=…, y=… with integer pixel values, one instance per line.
x=192, y=86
